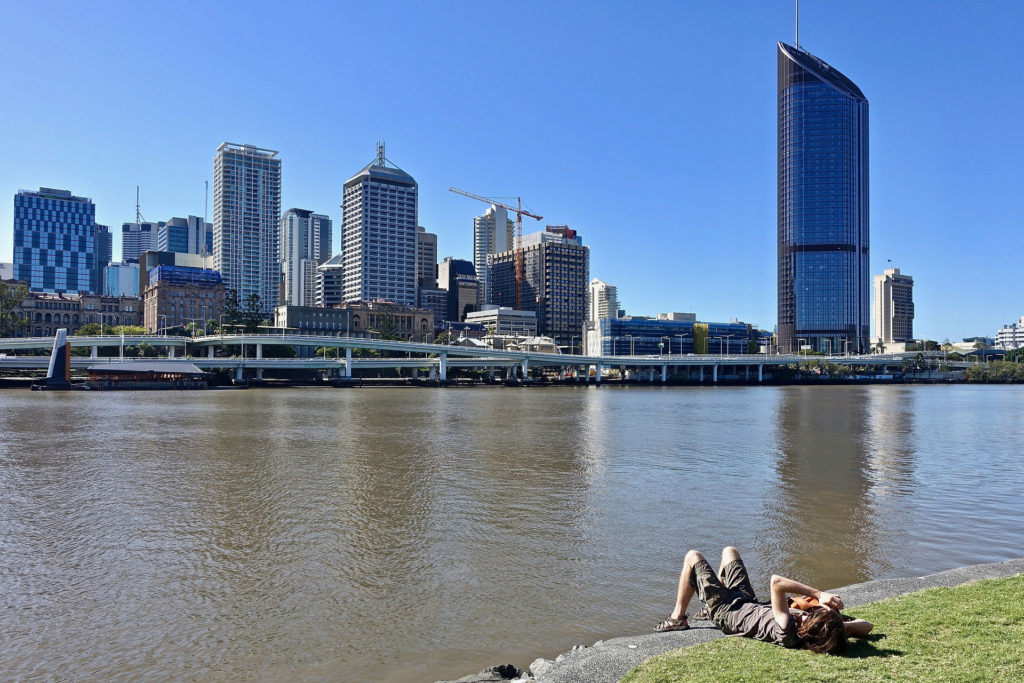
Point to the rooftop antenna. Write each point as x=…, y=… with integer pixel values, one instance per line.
x=796, y=40
x=381, y=160
x=138, y=213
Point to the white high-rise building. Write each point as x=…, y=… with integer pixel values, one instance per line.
x=378, y=233
x=493, y=233
x=602, y=301
x=1011, y=336
x=137, y=238
x=330, y=278
x=246, y=221
x=305, y=245
x=894, y=307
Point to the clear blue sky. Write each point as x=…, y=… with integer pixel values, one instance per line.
x=649, y=127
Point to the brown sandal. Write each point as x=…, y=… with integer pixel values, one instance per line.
x=671, y=624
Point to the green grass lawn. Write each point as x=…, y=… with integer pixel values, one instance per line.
x=973, y=632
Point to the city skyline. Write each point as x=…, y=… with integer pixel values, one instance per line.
x=943, y=176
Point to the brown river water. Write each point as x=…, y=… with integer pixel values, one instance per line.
x=410, y=534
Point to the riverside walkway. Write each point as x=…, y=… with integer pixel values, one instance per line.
x=434, y=359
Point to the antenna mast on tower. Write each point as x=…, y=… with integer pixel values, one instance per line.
x=381, y=159
x=796, y=40
x=138, y=213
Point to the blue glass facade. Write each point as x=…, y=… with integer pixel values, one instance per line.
x=642, y=336
x=823, y=237
x=55, y=241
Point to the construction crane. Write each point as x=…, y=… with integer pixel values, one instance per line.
x=518, y=210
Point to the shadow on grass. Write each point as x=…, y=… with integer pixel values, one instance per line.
x=863, y=648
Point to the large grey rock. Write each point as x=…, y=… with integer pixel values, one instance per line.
x=609, y=660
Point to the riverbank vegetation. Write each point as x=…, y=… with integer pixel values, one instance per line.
x=996, y=372
x=973, y=632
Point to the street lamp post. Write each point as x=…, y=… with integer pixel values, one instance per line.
x=801, y=349
x=632, y=348
x=661, y=346
x=164, y=328
x=680, y=337
x=572, y=344
x=829, y=341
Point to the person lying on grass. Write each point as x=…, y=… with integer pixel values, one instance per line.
x=730, y=603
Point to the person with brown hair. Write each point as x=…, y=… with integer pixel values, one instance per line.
x=730, y=603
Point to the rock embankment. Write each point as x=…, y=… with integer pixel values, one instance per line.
x=606, y=661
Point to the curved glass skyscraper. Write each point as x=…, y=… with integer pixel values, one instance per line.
x=824, y=278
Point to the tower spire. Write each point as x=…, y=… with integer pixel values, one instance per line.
x=796, y=39
x=381, y=159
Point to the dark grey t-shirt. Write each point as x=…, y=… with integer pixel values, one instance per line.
x=753, y=620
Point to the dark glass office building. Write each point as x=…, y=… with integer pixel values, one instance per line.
x=55, y=241
x=824, y=278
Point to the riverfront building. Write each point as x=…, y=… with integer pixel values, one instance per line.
x=46, y=313
x=493, y=233
x=305, y=246
x=1011, y=336
x=894, y=307
x=643, y=336
x=378, y=233
x=504, y=321
x=823, y=276
x=55, y=241
x=179, y=295
x=556, y=269
x=246, y=221
x=190, y=235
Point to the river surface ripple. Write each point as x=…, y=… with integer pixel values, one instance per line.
x=415, y=534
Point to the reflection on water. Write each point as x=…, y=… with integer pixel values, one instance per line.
x=818, y=509
x=402, y=534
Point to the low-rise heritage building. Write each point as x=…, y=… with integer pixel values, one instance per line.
x=178, y=295
x=46, y=313
x=390, y=319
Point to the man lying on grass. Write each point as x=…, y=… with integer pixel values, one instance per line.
x=730, y=603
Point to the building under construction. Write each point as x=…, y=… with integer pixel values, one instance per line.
x=556, y=270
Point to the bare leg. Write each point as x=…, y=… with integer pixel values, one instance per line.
x=686, y=591
x=729, y=554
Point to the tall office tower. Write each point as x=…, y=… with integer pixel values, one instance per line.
x=55, y=241
x=246, y=220
x=378, y=233
x=894, y=306
x=305, y=245
x=426, y=258
x=493, y=233
x=602, y=301
x=137, y=238
x=190, y=235
x=824, y=281
x=104, y=254
x=556, y=267
x=330, y=281
x=458, y=277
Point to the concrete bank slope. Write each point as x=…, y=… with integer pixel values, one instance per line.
x=609, y=660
